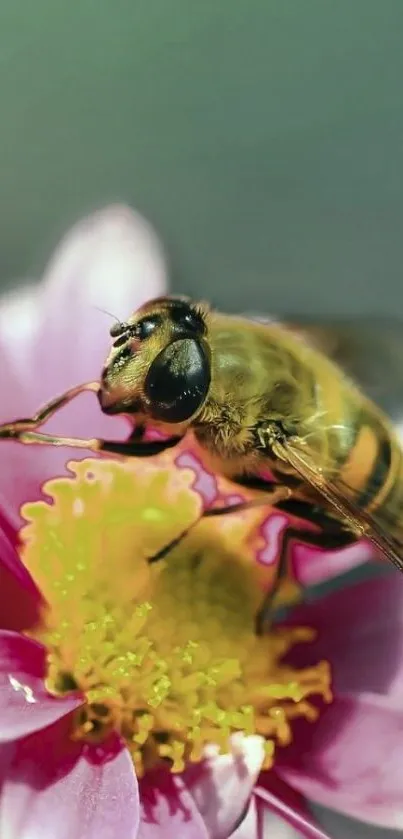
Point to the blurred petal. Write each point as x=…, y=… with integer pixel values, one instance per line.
x=8, y=550
x=21, y=315
x=288, y=805
x=250, y=827
x=274, y=828
x=205, y=482
x=363, y=644
x=111, y=260
x=312, y=566
x=53, y=337
x=365, y=648
x=19, y=603
x=19, y=598
x=52, y=787
x=25, y=705
x=351, y=760
x=168, y=810
x=8, y=526
x=222, y=786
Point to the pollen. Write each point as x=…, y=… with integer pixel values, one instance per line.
x=165, y=654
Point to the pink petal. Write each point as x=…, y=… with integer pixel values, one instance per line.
x=222, y=786
x=312, y=566
x=250, y=827
x=111, y=260
x=7, y=523
x=19, y=597
x=8, y=555
x=55, y=788
x=272, y=827
x=205, y=482
x=21, y=315
x=25, y=705
x=360, y=631
x=18, y=317
x=351, y=760
x=364, y=647
x=284, y=802
x=168, y=811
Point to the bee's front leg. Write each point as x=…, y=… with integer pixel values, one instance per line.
x=24, y=431
x=274, y=493
x=126, y=448
x=15, y=430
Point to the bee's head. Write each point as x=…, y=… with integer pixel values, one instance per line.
x=159, y=364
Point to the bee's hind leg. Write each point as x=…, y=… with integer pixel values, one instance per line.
x=331, y=538
x=331, y=535
x=278, y=492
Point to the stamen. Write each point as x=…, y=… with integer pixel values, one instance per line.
x=165, y=654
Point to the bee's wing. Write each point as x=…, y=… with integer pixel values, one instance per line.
x=296, y=454
x=369, y=351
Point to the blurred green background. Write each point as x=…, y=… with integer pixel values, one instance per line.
x=264, y=139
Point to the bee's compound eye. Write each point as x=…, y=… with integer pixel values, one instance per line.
x=178, y=381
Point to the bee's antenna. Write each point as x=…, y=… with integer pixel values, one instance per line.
x=105, y=312
x=118, y=328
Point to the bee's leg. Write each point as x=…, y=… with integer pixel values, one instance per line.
x=126, y=448
x=332, y=536
x=138, y=433
x=277, y=494
x=134, y=448
x=13, y=430
x=24, y=431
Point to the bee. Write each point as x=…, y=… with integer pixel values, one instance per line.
x=269, y=410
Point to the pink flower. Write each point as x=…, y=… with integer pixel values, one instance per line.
x=53, y=338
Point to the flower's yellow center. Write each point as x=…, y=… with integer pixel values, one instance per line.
x=164, y=653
